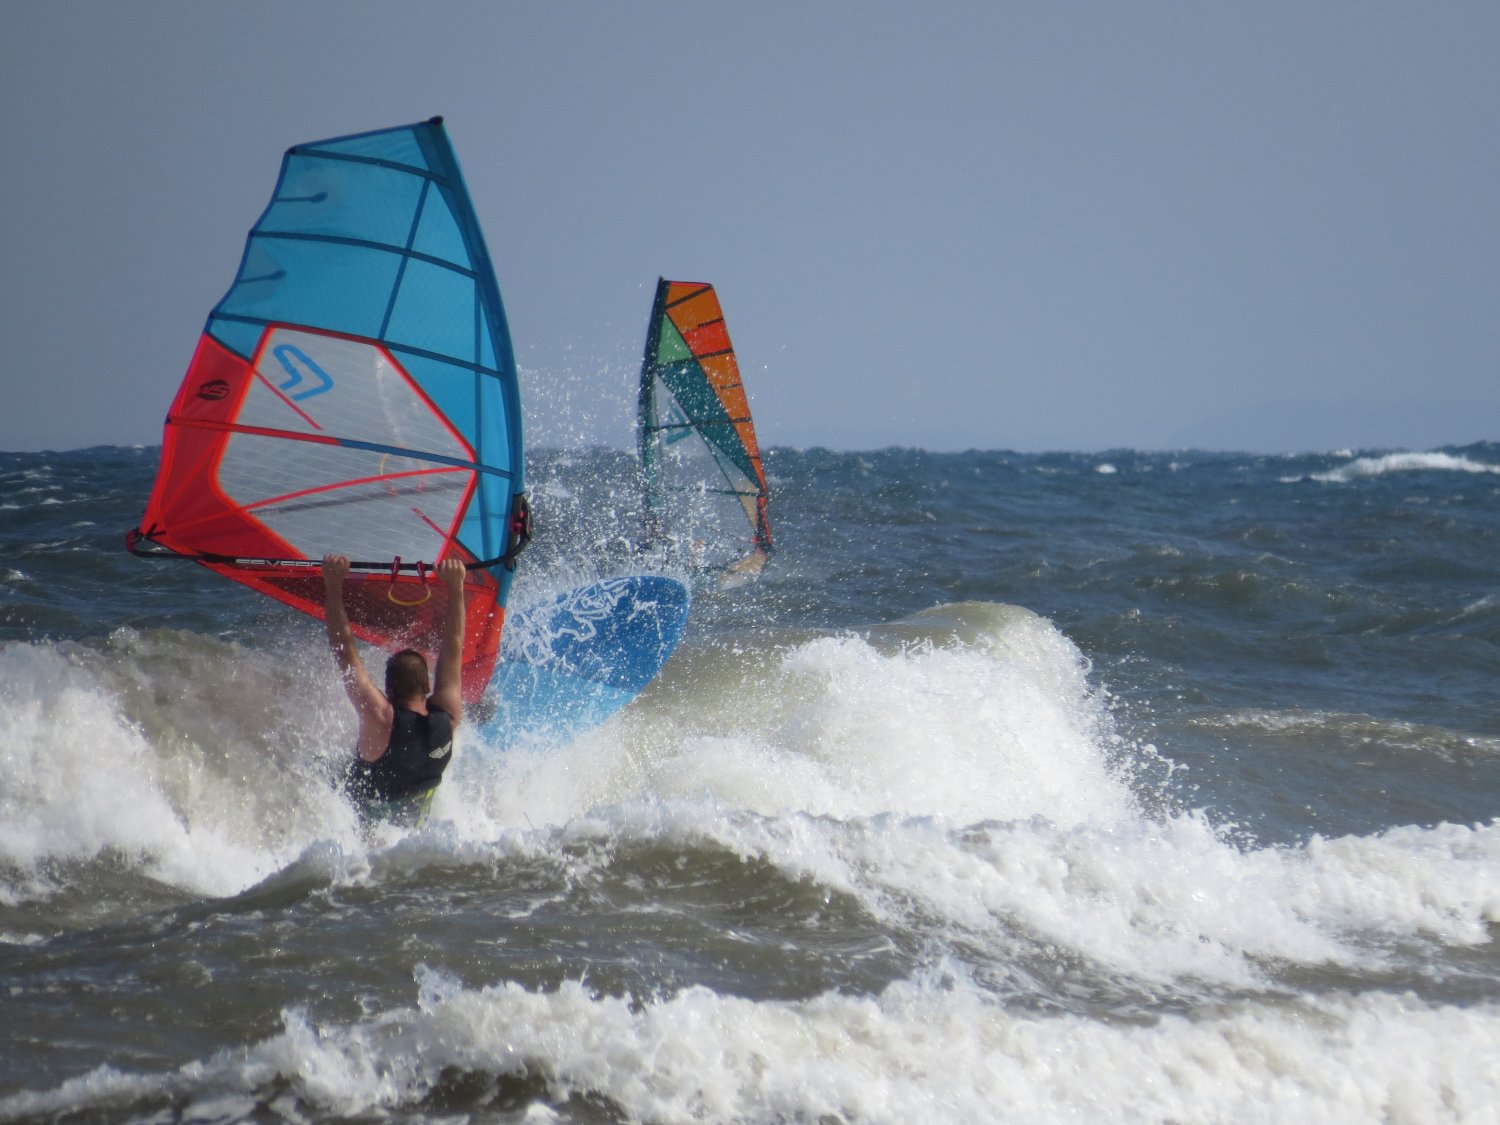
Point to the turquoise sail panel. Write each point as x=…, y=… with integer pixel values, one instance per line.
x=374, y=236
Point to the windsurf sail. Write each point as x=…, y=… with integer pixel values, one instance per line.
x=355, y=393
x=704, y=484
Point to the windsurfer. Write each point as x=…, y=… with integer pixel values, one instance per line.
x=405, y=733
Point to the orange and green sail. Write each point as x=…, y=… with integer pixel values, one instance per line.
x=700, y=459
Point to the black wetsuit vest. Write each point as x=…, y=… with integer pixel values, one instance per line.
x=420, y=749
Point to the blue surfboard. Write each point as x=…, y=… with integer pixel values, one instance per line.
x=569, y=664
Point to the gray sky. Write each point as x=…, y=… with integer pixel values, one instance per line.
x=1044, y=225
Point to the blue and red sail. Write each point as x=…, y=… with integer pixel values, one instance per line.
x=355, y=393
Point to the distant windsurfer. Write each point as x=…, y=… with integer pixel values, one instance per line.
x=405, y=733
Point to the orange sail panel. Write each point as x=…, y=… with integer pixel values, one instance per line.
x=355, y=393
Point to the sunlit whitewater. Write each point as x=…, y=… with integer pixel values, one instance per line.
x=1402, y=463
x=1015, y=791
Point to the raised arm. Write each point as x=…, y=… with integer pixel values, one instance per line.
x=375, y=711
x=447, y=690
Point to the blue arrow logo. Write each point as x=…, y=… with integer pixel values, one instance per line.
x=301, y=368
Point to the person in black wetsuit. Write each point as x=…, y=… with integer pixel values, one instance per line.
x=405, y=733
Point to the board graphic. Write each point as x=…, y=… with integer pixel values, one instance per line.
x=568, y=664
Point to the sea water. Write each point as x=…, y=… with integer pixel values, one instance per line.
x=1021, y=788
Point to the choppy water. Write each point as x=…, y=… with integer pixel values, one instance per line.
x=1122, y=787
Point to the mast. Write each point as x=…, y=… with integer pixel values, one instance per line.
x=646, y=427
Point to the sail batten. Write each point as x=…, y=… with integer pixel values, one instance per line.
x=331, y=240
x=355, y=392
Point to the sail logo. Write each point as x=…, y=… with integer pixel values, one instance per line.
x=214, y=390
x=301, y=368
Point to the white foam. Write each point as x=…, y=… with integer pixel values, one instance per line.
x=971, y=784
x=1169, y=905
x=1158, y=903
x=1400, y=463
x=935, y=1049
x=1005, y=728
x=943, y=1051
x=82, y=779
x=962, y=790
